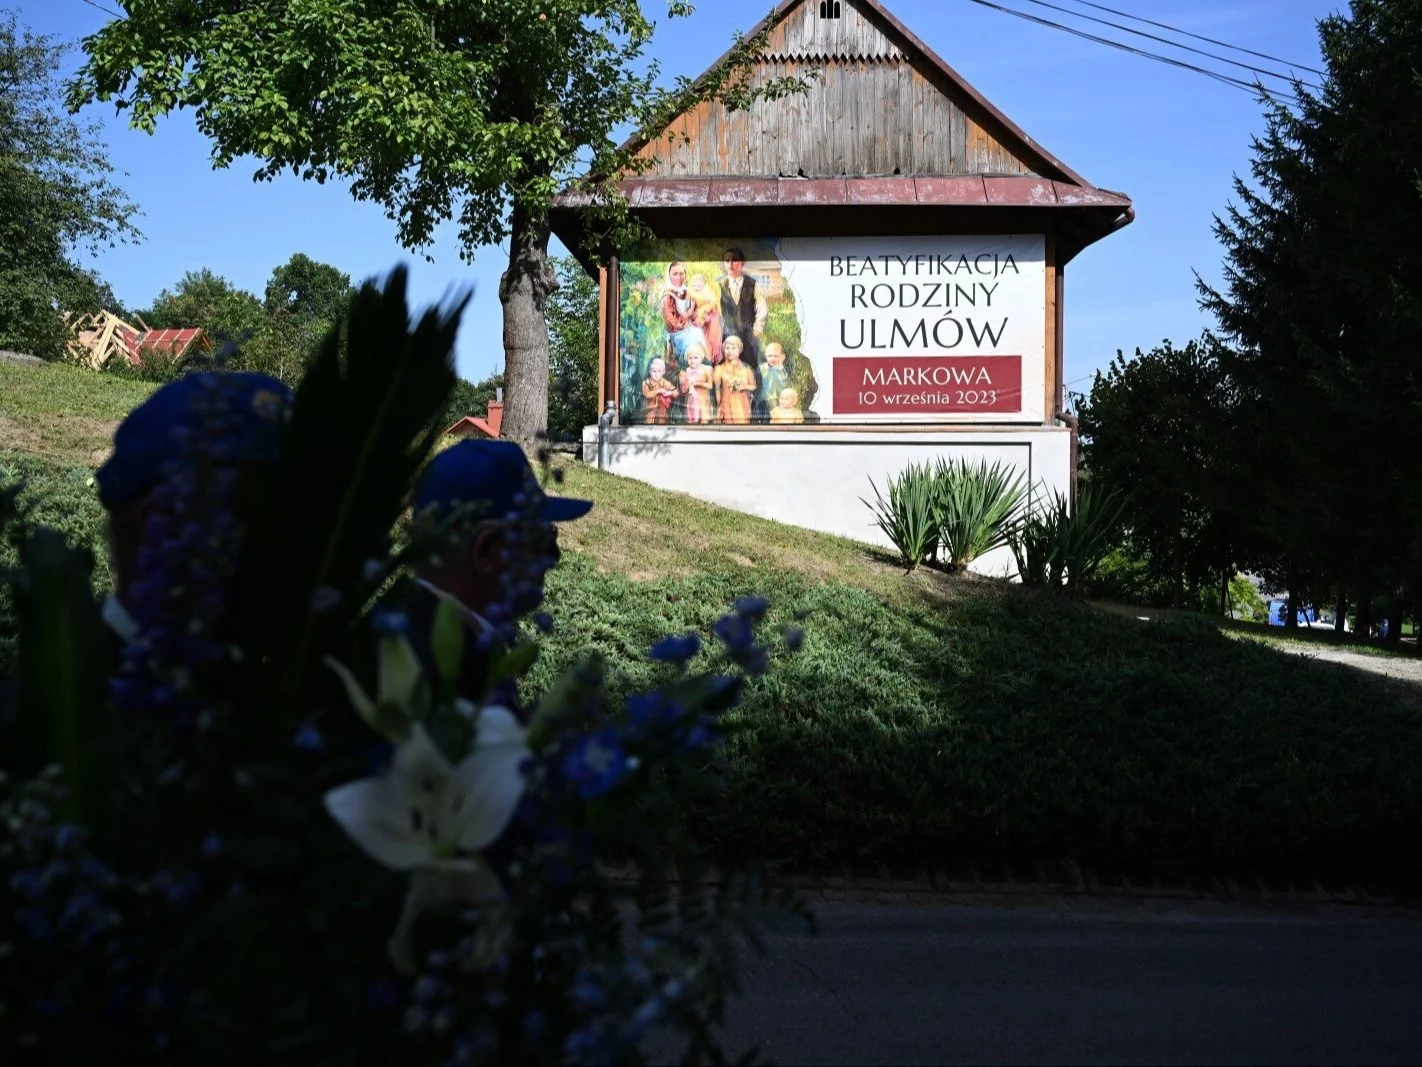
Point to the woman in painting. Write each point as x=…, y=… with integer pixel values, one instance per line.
x=735, y=384
x=679, y=315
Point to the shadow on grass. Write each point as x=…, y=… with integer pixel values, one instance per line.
x=1022, y=730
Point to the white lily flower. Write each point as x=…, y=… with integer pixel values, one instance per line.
x=432, y=819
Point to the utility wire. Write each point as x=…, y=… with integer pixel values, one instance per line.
x=1199, y=37
x=1175, y=44
x=1253, y=88
x=105, y=10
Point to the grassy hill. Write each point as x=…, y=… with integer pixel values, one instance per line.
x=928, y=722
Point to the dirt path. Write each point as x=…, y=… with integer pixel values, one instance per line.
x=1404, y=670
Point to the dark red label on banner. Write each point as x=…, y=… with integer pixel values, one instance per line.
x=926, y=385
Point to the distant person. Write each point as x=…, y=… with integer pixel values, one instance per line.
x=496, y=574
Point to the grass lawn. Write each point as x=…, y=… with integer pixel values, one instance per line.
x=63, y=413
x=932, y=721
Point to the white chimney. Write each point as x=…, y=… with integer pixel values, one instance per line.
x=498, y=394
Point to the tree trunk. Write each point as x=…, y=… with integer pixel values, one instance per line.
x=1225, y=576
x=1291, y=604
x=524, y=291
x=1363, y=628
x=1394, y=620
x=1341, y=619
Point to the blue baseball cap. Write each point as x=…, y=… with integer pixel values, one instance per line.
x=478, y=470
x=145, y=440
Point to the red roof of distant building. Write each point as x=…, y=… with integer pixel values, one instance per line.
x=474, y=426
x=171, y=343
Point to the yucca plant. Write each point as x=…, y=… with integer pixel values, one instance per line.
x=1058, y=543
x=909, y=517
x=1036, y=543
x=976, y=505
x=1092, y=531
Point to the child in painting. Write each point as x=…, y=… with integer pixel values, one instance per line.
x=788, y=408
x=695, y=384
x=657, y=394
x=706, y=313
x=735, y=384
x=774, y=376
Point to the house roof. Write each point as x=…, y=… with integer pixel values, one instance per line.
x=876, y=11
x=171, y=343
x=1052, y=196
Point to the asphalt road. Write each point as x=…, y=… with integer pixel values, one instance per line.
x=1092, y=983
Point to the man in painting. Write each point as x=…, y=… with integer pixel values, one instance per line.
x=743, y=308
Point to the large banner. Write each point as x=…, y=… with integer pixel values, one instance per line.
x=823, y=329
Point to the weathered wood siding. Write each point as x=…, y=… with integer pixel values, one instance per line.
x=869, y=110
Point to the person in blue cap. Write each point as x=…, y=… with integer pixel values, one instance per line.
x=495, y=572
x=254, y=408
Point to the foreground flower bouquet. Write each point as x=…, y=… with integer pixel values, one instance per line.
x=262, y=829
x=575, y=921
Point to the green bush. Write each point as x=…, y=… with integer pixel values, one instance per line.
x=151, y=367
x=61, y=497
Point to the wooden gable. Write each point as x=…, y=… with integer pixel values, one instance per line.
x=879, y=103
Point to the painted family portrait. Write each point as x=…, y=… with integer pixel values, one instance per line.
x=710, y=335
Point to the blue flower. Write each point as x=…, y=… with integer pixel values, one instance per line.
x=544, y=622
x=596, y=764
x=590, y=1046
x=534, y=1026
x=648, y=711
x=324, y=599
x=734, y=632
x=68, y=836
x=587, y=993
x=673, y=649
x=389, y=623
x=26, y=884
x=755, y=659
x=702, y=735
x=794, y=638
x=308, y=739
x=211, y=846
x=752, y=608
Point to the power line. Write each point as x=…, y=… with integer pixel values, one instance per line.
x=1254, y=89
x=105, y=10
x=1199, y=37
x=1175, y=44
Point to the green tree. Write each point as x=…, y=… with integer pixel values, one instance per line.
x=473, y=110
x=309, y=290
x=472, y=398
x=56, y=199
x=304, y=299
x=205, y=299
x=1323, y=297
x=1158, y=428
x=572, y=352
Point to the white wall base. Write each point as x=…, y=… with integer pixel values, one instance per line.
x=815, y=477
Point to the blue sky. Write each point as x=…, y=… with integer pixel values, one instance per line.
x=1168, y=138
